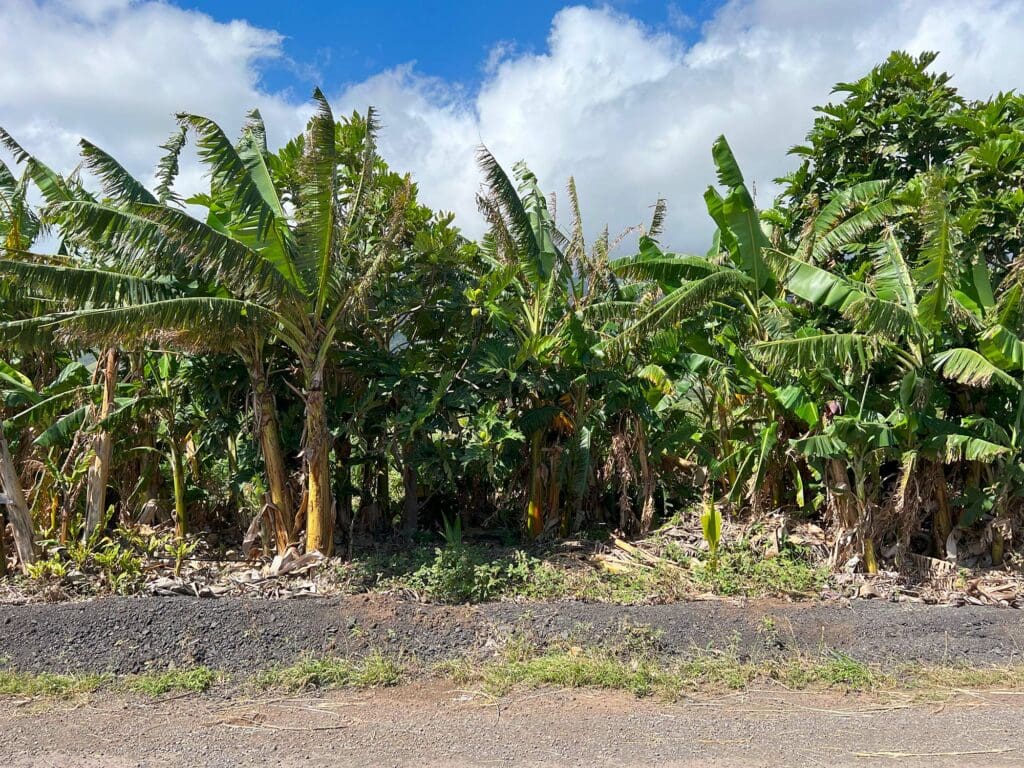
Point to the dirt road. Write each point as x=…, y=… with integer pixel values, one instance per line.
x=433, y=724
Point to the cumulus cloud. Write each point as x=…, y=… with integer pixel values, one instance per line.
x=117, y=71
x=630, y=111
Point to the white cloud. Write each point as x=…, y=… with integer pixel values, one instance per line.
x=116, y=72
x=630, y=111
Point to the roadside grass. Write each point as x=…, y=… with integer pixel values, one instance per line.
x=632, y=667
x=702, y=672
x=709, y=672
x=189, y=680
x=47, y=685
x=54, y=686
x=742, y=571
x=374, y=671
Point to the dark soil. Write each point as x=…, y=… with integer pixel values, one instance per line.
x=128, y=635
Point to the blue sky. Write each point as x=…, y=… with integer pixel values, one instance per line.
x=335, y=43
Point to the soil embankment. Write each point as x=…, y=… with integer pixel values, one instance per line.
x=129, y=635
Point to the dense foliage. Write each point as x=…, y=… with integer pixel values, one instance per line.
x=304, y=353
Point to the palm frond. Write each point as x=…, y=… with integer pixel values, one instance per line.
x=811, y=283
x=938, y=268
x=891, y=279
x=967, y=367
x=666, y=268
x=844, y=202
x=316, y=216
x=256, y=129
x=1003, y=348
x=852, y=230
x=657, y=219
x=168, y=167
x=956, y=447
x=505, y=199
x=118, y=184
x=158, y=239
x=232, y=174
x=682, y=303
x=738, y=221
x=53, y=188
x=193, y=323
x=357, y=207
x=29, y=334
x=84, y=286
x=838, y=351
x=888, y=318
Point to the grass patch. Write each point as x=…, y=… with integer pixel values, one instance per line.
x=633, y=666
x=373, y=671
x=48, y=685
x=641, y=585
x=193, y=680
x=956, y=676
x=522, y=665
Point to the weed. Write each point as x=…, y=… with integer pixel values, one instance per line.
x=460, y=574
x=741, y=571
x=193, y=680
x=374, y=671
x=51, y=568
x=574, y=668
x=46, y=684
x=707, y=671
x=180, y=549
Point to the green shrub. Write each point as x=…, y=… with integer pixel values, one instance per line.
x=461, y=574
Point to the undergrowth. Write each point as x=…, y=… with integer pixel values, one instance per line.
x=473, y=573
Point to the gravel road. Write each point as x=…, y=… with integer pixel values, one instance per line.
x=427, y=725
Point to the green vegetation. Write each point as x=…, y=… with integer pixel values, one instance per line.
x=48, y=685
x=191, y=680
x=472, y=573
x=302, y=355
x=633, y=666
x=710, y=672
x=741, y=571
x=374, y=671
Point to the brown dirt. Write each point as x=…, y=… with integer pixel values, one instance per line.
x=434, y=724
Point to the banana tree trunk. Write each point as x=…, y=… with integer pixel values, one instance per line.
x=17, y=509
x=3, y=549
x=535, y=506
x=383, y=494
x=268, y=432
x=319, y=512
x=647, y=484
x=99, y=471
x=178, y=478
x=411, y=503
x=343, y=518
x=943, y=523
